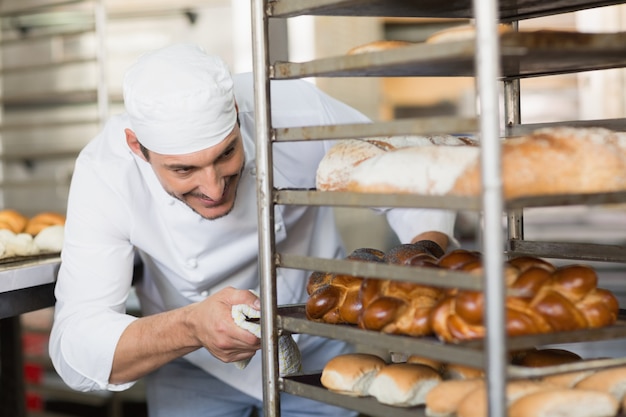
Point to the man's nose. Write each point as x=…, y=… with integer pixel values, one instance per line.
x=212, y=184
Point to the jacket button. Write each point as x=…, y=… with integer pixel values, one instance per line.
x=278, y=227
x=192, y=263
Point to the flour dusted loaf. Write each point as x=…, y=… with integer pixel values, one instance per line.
x=376, y=46
x=404, y=384
x=549, y=161
x=462, y=33
x=335, y=170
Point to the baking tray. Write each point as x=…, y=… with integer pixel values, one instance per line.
x=523, y=54
x=292, y=319
x=508, y=9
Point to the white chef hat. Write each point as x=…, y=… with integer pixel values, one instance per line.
x=180, y=99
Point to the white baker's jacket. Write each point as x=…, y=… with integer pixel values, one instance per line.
x=117, y=209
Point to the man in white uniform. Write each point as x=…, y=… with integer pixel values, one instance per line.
x=172, y=182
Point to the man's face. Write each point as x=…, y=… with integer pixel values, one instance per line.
x=206, y=180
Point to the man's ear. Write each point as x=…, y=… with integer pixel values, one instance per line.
x=133, y=143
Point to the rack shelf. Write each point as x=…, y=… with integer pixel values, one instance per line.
x=508, y=9
x=523, y=54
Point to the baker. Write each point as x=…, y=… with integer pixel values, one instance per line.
x=172, y=182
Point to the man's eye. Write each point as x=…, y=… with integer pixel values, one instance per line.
x=182, y=170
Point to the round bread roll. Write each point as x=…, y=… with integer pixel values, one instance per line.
x=42, y=220
x=443, y=400
x=404, y=384
x=12, y=220
x=50, y=239
x=376, y=46
x=557, y=402
x=612, y=381
x=352, y=373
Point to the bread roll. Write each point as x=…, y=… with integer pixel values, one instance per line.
x=557, y=402
x=50, y=239
x=612, y=381
x=403, y=384
x=12, y=220
x=474, y=404
x=438, y=366
x=42, y=220
x=443, y=400
x=568, y=379
x=351, y=374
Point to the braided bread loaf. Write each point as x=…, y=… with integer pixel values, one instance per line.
x=338, y=298
x=553, y=299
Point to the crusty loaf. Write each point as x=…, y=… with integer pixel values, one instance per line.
x=351, y=373
x=548, y=161
x=335, y=169
x=403, y=384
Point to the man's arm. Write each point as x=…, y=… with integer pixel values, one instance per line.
x=152, y=341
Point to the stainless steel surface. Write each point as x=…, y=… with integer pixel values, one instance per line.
x=267, y=244
x=428, y=276
x=435, y=125
x=348, y=199
x=569, y=250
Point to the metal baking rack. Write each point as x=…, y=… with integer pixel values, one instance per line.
x=497, y=59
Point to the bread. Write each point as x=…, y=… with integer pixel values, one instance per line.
x=403, y=384
x=443, y=399
x=42, y=220
x=562, y=300
x=557, y=402
x=474, y=404
x=611, y=380
x=335, y=169
x=438, y=366
x=461, y=33
x=50, y=239
x=398, y=307
x=568, y=379
x=12, y=220
x=548, y=161
x=352, y=373
x=335, y=298
x=546, y=357
x=376, y=46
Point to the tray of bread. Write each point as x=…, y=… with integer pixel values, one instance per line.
x=440, y=388
x=25, y=240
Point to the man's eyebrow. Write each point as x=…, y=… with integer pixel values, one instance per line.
x=178, y=166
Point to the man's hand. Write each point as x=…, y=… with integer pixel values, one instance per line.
x=211, y=322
